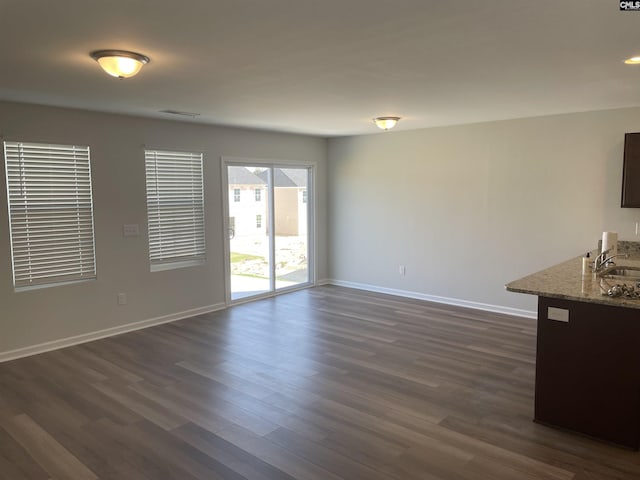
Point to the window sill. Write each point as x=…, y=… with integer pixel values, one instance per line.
x=159, y=267
x=40, y=286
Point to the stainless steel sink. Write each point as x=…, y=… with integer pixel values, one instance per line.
x=622, y=271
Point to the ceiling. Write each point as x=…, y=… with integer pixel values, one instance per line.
x=325, y=67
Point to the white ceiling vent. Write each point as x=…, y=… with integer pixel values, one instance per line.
x=182, y=114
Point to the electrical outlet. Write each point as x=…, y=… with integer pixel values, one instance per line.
x=402, y=270
x=122, y=299
x=558, y=314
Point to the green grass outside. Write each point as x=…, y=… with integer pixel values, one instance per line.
x=241, y=257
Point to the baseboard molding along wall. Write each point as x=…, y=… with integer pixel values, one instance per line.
x=517, y=312
x=107, y=332
x=130, y=327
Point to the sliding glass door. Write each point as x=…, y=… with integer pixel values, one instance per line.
x=269, y=228
x=291, y=226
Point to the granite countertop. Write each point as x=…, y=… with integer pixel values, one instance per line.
x=565, y=280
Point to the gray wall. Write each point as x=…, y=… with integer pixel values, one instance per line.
x=117, y=144
x=469, y=208
x=465, y=209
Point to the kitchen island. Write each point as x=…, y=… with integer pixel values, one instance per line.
x=588, y=352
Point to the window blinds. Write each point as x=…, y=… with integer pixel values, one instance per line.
x=50, y=213
x=175, y=208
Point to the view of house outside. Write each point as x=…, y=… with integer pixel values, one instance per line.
x=249, y=228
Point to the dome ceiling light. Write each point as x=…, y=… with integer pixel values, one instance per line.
x=386, y=123
x=120, y=63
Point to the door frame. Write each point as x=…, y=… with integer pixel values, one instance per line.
x=227, y=161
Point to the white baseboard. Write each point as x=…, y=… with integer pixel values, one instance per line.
x=130, y=327
x=107, y=332
x=434, y=298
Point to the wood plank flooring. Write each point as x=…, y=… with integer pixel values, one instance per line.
x=321, y=384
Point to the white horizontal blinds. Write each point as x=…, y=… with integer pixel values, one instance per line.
x=51, y=213
x=175, y=206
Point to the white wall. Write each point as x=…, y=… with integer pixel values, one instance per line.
x=469, y=208
x=117, y=144
x=245, y=211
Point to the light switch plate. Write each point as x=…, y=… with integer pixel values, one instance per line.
x=558, y=314
x=130, y=230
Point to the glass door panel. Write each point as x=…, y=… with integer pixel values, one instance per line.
x=291, y=226
x=249, y=241
x=269, y=228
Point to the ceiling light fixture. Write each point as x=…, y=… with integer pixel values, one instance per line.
x=386, y=123
x=632, y=61
x=120, y=63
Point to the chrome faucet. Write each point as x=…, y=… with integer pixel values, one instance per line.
x=602, y=261
x=599, y=262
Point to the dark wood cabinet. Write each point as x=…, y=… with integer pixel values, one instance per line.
x=588, y=370
x=631, y=171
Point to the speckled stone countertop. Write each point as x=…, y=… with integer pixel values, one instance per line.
x=565, y=280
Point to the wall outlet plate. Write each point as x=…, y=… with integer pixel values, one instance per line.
x=558, y=314
x=122, y=299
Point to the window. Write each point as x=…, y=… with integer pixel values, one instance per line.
x=258, y=194
x=175, y=209
x=50, y=213
x=258, y=221
x=305, y=196
x=236, y=194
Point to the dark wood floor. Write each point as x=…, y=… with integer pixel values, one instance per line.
x=321, y=384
